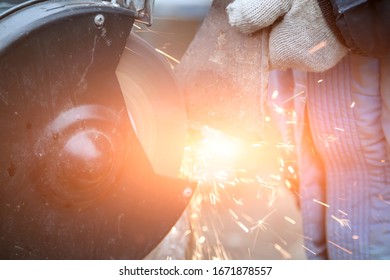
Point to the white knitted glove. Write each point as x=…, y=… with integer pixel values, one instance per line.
x=300, y=37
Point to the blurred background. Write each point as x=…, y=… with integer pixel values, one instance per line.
x=241, y=209
x=175, y=24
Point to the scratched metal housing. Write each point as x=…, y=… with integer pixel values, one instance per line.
x=75, y=182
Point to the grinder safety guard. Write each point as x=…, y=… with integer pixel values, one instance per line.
x=93, y=127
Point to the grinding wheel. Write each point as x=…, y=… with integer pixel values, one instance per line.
x=88, y=167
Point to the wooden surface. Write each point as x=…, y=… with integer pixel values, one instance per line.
x=223, y=75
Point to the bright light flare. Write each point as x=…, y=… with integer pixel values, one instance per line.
x=226, y=169
x=213, y=156
x=219, y=145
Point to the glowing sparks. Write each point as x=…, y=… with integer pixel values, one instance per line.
x=382, y=199
x=290, y=220
x=261, y=223
x=279, y=109
x=355, y=237
x=218, y=163
x=341, y=248
x=293, y=97
x=342, y=222
x=287, y=146
x=272, y=198
x=264, y=185
x=173, y=230
x=353, y=104
x=258, y=145
x=321, y=203
x=291, y=169
x=307, y=249
x=242, y=226
x=234, y=215
x=275, y=94
x=283, y=252
x=276, y=177
x=320, y=81
x=342, y=212
x=339, y=129
x=238, y=202
x=167, y=55
x=247, y=180
x=281, y=162
x=288, y=183
x=248, y=218
x=318, y=47
x=202, y=239
x=213, y=198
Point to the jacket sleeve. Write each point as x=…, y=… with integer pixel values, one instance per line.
x=361, y=25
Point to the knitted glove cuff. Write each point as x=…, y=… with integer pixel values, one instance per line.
x=250, y=15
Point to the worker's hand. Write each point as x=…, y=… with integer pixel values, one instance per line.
x=299, y=38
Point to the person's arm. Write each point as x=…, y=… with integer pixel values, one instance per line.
x=363, y=26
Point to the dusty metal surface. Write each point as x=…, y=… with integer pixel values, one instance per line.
x=75, y=180
x=223, y=75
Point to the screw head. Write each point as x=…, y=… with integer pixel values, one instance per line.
x=99, y=20
x=187, y=192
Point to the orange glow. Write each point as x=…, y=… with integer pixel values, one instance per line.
x=212, y=156
x=226, y=169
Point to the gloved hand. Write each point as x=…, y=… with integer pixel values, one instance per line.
x=299, y=38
